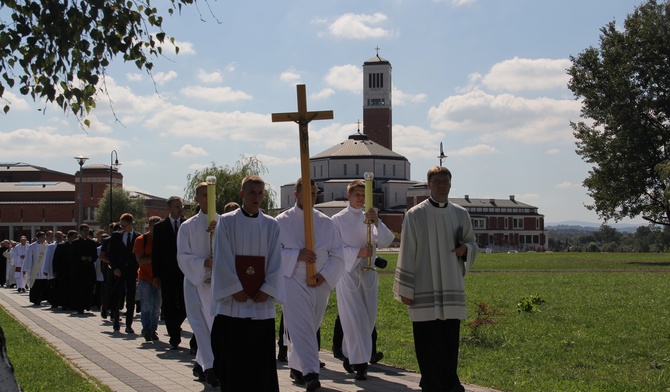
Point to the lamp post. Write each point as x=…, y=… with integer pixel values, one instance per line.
x=112, y=162
x=81, y=159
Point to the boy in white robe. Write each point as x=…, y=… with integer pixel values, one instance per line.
x=437, y=247
x=18, y=254
x=47, y=271
x=357, y=288
x=195, y=261
x=306, y=305
x=243, y=334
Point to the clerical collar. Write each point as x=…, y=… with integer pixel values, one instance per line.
x=248, y=215
x=438, y=205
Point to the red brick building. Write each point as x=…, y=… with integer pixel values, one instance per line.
x=34, y=198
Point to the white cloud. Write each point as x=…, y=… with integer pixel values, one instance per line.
x=479, y=149
x=359, y=26
x=188, y=150
x=270, y=161
x=519, y=74
x=290, y=76
x=552, y=151
x=323, y=94
x=215, y=94
x=198, y=166
x=567, y=184
x=401, y=98
x=345, y=77
x=162, y=77
x=58, y=144
x=506, y=116
x=185, y=48
x=134, y=77
x=209, y=77
x=14, y=101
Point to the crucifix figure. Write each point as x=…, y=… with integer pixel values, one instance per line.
x=302, y=117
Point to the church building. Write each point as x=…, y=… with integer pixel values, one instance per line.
x=499, y=223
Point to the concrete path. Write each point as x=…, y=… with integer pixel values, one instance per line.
x=126, y=363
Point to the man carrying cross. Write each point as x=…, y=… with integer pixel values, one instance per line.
x=312, y=260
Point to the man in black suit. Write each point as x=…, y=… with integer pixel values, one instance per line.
x=122, y=273
x=82, y=254
x=167, y=275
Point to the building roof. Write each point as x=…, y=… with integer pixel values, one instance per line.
x=377, y=60
x=332, y=204
x=502, y=203
x=37, y=186
x=358, y=146
x=98, y=166
x=26, y=167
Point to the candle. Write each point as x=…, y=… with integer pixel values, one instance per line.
x=211, y=198
x=368, y=189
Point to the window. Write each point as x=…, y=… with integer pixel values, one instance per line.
x=506, y=223
x=384, y=169
x=357, y=169
x=518, y=223
x=537, y=223
x=478, y=223
x=345, y=169
x=393, y=170
x=376, y=80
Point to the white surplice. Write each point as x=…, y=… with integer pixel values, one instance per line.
x=34, y=262
x=357, y=294
x=305, y=306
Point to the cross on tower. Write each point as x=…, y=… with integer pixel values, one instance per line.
x=377, y=49
x=302, y=117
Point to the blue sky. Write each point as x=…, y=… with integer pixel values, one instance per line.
x=486, y=78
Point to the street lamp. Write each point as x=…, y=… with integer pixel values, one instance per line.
x=112, y=162
x=81, y=159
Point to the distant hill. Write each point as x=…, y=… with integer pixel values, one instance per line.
x=584, y=228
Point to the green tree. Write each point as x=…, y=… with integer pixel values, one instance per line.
x=122, y=202
x=625, y=91
x=58, y=50
x=228, y=181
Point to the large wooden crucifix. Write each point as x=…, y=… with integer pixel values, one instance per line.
x=302, y=117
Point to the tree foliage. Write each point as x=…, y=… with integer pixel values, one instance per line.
x=625, y=88
x=229, y=180
x=58, y=50
x=122, y=202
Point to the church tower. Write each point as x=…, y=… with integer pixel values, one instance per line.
x=377, y=113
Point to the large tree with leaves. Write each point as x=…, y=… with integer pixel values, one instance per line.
x=624, y=85
x=58, y=50
x=229, y=180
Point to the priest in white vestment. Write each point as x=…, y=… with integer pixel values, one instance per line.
x=195, y=261
x=306, y=305
x=357, y=294
x=32, y=267
x=437, y=248
x=243, y=335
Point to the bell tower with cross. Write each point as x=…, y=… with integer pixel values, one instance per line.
x=377, y=107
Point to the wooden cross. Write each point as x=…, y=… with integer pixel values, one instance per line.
x=302, y=117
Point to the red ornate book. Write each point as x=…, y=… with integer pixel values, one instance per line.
x=251, y=272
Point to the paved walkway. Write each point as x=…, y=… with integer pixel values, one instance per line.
x=126, y=363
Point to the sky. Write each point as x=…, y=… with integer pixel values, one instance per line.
x=485, y=78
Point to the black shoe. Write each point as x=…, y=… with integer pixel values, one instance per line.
x=154, y=336
x=347, y=366
x=312, y=382
x=283, y=354
x=337, y=353
x=130, y=330
x=198, y=372
x=147, y=336
x=457, y=388
x=174, y=346
x=296, y=376
x=211, y=378
x=103, y=313
x=117, y=326
x=376, y=357
x=361, y=371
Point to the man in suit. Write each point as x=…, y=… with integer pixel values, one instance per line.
x=81, y=256
x=167, y=275
x=123, y=271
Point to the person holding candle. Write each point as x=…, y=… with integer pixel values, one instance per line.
x=437, y=248
x=194, y=255
x=357, y=288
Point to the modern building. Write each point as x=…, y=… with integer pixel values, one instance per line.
x=34, y=198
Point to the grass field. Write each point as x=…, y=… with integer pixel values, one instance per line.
x=603, y=325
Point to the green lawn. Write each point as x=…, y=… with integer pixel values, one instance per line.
x=37, y=366
x=596, y=331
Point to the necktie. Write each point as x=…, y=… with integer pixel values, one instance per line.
x=176, y=226
x=127, y=241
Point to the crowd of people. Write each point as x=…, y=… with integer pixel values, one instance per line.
x=227, y=273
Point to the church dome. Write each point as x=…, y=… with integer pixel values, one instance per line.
x=358, y=145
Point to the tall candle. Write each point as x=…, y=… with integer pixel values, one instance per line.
x=211, y=198
x=368, y=189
